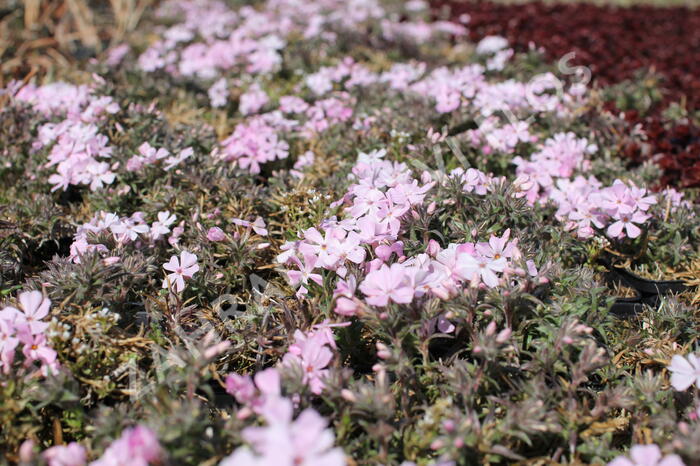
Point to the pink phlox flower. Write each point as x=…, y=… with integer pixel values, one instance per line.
x=98, y=174
x=35, y=348
x=252, y=143
x=182, y=268
x=8, y=342
x=384, y=251
x=72, y=454
x=367, y=200
x=473, y=180
x=393, y=174
x=292, y=104
x=256, y=392
x=151, y=154
x=389, y=283
x=499, y=247
x=162, y=226
x=174, y=238
x=310, y=352
x=304, y=441
x=218, y=93
x=627, y=221
x=325, y=333
x=216, y=234
x=617, y=199
x=448, y=259
x=241, y=387
x=444, y=325
x=258, y=225
x=127, y=230
x=475, y=268
x=252, y=100
x=325, y=247
x=137, y=446
x=35, y=306
x=349, y=249
x=435, y=136
x=344, y=294
x=586, y=215
x=175, y=160
x=409, y=194
x=531, y=268
x=438, y=282
x=305, y=272
x=640, y=199
x=390, y=215
x=685, y=371
x=646, y=455
x=289, y=249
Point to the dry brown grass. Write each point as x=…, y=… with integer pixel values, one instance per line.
x=45, y=37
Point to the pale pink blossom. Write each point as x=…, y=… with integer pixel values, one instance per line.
x=389, y=283
x=182, y=268
x=35, y=306
x=72, y=454
x=216, y=234
x=137, y=446
x=286, y=442
x=646, y=455
x=312, y=355
x=684, y=371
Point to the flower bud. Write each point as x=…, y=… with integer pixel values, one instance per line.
x=383, y=351
x=504, y=335
x=26, y=451
x=448, y=425
x=216, y=234
x=437, y=444
x=348, y=395
x=433, y=248
x=491, y=328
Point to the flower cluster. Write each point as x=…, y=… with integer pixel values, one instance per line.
x=137, y=446
x=287, y=441
x=376, y=204
x=559, y=157
x=311, y=353
x=253, y=143
x=122, y=230
x=25, y=326
x=78, y=149
x=149, y=155
x=584, y=205
x=647, y=455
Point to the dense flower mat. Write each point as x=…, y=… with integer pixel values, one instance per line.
x=333, y=232
x=640, y=43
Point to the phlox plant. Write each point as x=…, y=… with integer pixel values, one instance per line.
x=325, y=233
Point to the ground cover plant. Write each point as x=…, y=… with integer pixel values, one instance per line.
x=335, y=232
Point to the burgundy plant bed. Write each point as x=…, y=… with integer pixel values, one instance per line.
x=676, y=150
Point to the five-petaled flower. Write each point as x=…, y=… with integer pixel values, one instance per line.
x=183, y=268
x=685, y=372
